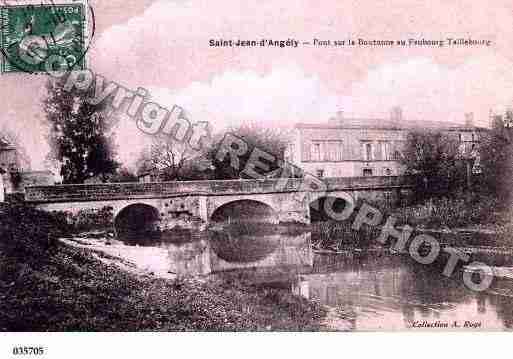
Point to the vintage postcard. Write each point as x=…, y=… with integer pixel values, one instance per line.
x=262, y=166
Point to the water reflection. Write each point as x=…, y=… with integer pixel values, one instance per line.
x=373, y=290
x=383, y=292
x=201, y=253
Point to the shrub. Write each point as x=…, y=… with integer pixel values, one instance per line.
x=88, y=219
x=337, y=235
x=451, y=213
x=25, y=230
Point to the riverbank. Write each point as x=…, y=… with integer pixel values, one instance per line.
x=46, y=285
x=479, y=221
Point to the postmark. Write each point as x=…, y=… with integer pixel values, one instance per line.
x=33, y=31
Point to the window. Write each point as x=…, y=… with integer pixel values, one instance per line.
x=316, y=151
x=367, y=151
x=367, y=172
x=320, y=173
x=386, y=151
x=327, y=151
x=460, y=137
x=333, y=151
x=378, y=151
x=398, y=148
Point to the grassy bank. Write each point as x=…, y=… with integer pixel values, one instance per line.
x=454, y=213
x=337, y=236
x=444, y=219
x=47, y=286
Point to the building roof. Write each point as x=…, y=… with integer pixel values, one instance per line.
x=387, y=124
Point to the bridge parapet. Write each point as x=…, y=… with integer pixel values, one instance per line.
x=116, y=191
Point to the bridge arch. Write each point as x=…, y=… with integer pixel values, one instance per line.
x=136, y=218
x=244, y=210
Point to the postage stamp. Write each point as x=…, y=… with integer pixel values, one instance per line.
x=31, y=32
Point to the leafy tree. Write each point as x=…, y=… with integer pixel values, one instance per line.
x=169, y=160
x=434, y=159
x=80, y=134
x=269, y=140
x=496, y=157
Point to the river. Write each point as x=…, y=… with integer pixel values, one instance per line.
x=370, y=289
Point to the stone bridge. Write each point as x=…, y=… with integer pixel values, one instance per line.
x=169, y=204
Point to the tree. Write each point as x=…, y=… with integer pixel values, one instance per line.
x=496, y=157
x=80, y=134
x=435, y=161
x=168, y=159
x=269, y=140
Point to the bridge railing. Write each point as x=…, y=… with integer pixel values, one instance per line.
x=92, y=192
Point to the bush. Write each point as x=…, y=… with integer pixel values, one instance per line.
x=337, y=235
x=433, y=214
x=451, y=213
x=433, y=158
x=89, y=219
x=26, y=231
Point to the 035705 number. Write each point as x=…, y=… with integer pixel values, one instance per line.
x=28, y=350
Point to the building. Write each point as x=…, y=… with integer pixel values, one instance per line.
x=12, y=163
x=149, y=176
x=354, y=147
x=11, y=158
x=15, y=170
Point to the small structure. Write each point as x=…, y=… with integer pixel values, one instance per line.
x=149, y=176
x=12, y=162
x=15, y=174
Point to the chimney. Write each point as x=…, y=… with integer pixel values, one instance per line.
x=469, y=119
x=396, y=114
x=338, y=119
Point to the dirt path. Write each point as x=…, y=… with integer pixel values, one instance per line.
x=135, y=259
